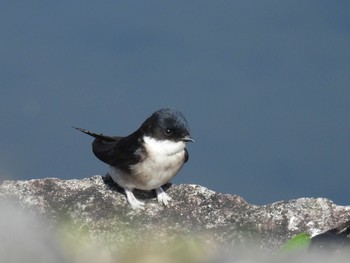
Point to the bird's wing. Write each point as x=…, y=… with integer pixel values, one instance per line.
x=121, y=153
x=115, y=150
x=187, y=156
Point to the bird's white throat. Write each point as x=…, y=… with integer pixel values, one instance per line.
x=163, y=147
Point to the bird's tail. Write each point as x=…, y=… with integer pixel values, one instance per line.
x=95, y=135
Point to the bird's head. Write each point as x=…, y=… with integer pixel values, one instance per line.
x=167, y=124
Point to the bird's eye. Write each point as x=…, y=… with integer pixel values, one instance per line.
x=168, y=132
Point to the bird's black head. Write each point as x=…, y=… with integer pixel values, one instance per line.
x=167, y=124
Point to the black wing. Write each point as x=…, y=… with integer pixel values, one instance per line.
x=114, y=150
x=187, y=156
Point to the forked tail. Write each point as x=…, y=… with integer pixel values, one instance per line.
x=96, y=136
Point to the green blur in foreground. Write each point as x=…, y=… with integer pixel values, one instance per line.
x=300, y=242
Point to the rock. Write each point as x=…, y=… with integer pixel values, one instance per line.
x=97, y=206
x=335, y=239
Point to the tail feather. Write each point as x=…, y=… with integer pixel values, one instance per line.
x=97, y=136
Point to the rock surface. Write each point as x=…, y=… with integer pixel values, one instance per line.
x=98, y=206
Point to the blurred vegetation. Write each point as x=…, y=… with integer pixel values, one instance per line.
x=299, y=243
x=82, y=244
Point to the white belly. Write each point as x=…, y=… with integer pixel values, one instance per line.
x=164, y=160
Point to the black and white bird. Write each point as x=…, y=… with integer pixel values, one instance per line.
x=149, y=157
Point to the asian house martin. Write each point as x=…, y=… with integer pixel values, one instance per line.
x=149, y=157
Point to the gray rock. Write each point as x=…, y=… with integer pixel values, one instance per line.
x=98, y=207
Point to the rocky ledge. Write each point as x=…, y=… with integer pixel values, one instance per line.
x=99, y=207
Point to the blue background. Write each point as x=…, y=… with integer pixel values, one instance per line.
x=264, y=86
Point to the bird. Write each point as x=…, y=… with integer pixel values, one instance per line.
x=147, y=158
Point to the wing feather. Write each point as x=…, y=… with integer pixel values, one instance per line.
x=117, y=151
x=120, y=153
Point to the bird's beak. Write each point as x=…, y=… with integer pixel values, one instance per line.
x=187, y=139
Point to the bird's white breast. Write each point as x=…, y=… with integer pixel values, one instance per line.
x=164, y=159
x=163, y=148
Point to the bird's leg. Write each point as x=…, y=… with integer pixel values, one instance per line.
x=135, y=204
x=162, y=196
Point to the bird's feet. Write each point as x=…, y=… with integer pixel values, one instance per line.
x=135, y=204
x=162, y=197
